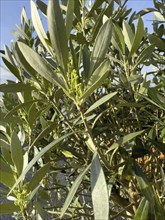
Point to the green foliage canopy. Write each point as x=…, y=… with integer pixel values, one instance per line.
x=83, y=129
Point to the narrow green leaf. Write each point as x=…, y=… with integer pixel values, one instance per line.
x=33, y=114
x=91, y=145
x=7, y=155
x=15, y=34
x=129, y=104
x=38, y=26
x=128, y=34
x=73, y=190
x=86, y=60
x=156, y=98
x=98, y=116
x=110, y=9
x=101, y=44
x=42, y=6
x=79, y=121
x=5, y=167
x=127, y=171
x=96, y=79
x=95, y=6
x=101, y=101
x=7, y=178
x=2, y=51
x=41, y=66
x=15, y=87
x=124, y=140
x=22, y=62
x=57, y=33
x=40, y=210
x=69, y=16
x=98, y=23
x=135, y=79
x=4, y=144
x=115, y=43
x=13, y=69
x=24, y=17
x=144, y=184
x=8, y=208
x=37, y=157
x=22, y=33
x=100, y=198
x=138, y=37
x=120, y=39
x=44, y=132
x=144, y=11
x=154, y=103
x=33, y=193
x=17, y=107
x=112, y=58
x=158, y=207
x=142, y=211
x=157, y=42
x=16, y=152
x=38, y=176
x=145, y=54
x=159, y=15
x=8, y=55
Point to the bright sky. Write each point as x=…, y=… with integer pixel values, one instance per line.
x=10, y=11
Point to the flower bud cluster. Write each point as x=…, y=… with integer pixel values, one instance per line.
x=74, y=82
x=22, y=198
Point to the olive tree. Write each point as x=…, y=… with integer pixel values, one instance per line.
x=83, y=126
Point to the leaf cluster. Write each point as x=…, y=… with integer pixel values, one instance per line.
x=83, y=127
